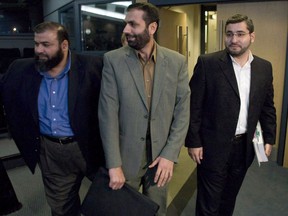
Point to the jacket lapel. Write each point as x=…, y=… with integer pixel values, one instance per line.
x=76, y=71
x=33, y=85
x=137, y=74
x=159, y=77
x=228, y=71
x=255, y=81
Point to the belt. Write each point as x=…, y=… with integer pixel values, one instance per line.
x=238, y=137
x=60, y=140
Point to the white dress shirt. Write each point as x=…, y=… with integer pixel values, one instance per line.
x=243, y=77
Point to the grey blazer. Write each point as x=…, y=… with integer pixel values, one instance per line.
x=123, y=111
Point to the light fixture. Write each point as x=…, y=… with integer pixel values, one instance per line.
x=122, y=3
x=102, y=12
x=88, y=31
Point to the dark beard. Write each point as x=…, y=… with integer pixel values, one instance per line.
x=46, y=65
x=140, y=40
x=236, y=54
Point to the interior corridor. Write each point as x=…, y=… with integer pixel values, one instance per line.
x=264, y=192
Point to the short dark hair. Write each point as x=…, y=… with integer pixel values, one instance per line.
x=151, y=12
x=62, y=33
x=237, y=18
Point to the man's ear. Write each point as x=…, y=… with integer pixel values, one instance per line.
x=152, y=28
x=252, y=37
x=65, y=45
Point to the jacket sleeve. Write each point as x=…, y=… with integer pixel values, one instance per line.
x=180, y=122
x=268, y=112
x=197, y=86
x=108, y=116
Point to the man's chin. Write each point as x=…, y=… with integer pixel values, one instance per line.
x=43, y=59
x=40, y=60
x=234, y=52
x=41, y=66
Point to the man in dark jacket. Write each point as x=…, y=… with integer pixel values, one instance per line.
x=231, y=90
x=51, y=106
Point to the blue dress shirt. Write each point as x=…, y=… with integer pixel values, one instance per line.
x=53, y=104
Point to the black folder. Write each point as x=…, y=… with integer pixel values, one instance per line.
x=101, y=200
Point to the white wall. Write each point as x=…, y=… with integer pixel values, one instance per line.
x=193, y=22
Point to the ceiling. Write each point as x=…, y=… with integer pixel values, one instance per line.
x=10, y=4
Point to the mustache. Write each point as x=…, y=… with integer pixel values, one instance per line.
x=234, y=44
x=130, y=35
x=41, y=55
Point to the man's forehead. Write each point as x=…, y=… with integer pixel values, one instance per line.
x=239, y=25
x=47, y=31
x=46, y=36
x=134, y=14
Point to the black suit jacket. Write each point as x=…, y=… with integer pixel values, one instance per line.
x=20, y=87
x=215, y=106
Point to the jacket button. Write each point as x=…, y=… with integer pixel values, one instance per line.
x=142, y=138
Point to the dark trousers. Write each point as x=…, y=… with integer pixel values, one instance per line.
x=8, y=199
x=217, y=188
x=63, y=169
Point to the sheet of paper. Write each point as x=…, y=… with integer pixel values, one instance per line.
x=258, y=143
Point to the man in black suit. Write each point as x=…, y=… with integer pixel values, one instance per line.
x=231, y=91
x=51, y=105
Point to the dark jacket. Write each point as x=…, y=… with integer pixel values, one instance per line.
x=215, y=107
x=20, y=87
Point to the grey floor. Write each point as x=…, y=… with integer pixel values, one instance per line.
x=264, y=191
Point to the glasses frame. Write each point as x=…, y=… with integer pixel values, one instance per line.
x=239, y=34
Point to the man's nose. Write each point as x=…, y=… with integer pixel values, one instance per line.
x=38, y=49
x=126, y=29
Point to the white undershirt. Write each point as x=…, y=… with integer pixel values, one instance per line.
x=243, y=77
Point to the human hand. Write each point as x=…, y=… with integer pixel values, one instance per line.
x=196, y=154
x=164, y=171
x=117, y=178
x=268, y=149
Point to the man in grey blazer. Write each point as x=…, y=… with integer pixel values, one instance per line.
x=231, y=91
x=143, y=107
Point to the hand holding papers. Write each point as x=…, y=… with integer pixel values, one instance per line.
x=258, y=143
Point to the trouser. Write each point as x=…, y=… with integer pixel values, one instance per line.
x=63, y=167
x=145, y=178
x=217, y=188
x=8, y=199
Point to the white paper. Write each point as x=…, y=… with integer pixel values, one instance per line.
x=258, y=143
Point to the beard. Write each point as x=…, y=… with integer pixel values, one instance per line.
x=237, y=52
x=140, y=40
x=44, y=65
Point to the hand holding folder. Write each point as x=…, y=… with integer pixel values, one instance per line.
x=101, y=200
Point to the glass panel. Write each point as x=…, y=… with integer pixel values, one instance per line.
x=19, y=17
x=67, y=19
x=210, y=31
x=102, y=25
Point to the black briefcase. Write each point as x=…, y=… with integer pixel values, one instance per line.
x=101, y=200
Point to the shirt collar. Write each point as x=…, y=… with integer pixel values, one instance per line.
x=250, y=59
x=153, y=55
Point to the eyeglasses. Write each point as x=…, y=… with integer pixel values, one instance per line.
x=237, y=34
